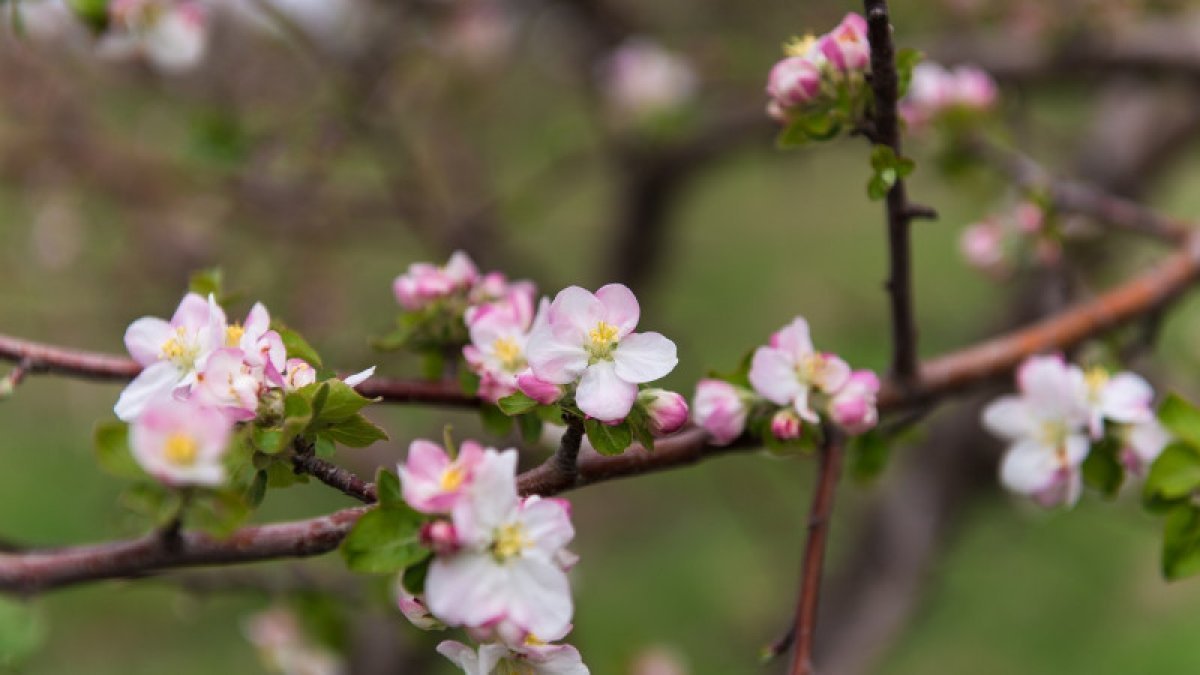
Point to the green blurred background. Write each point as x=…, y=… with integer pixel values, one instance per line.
x=702, y=561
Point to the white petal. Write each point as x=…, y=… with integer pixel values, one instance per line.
x=1010, y=417
x=773, y=375
x=644, y=357
x=620, y=308
x=1029, y=467
x=145, y=339
x=603, y=394
x=1126, y=398
x=794, y=339
x=540, y=596
x=554, y=360
x=467, y=588
x=462, y=656
x=359, y=377
x=156, y=381
x=547, y=523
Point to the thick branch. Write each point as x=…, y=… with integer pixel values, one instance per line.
x=814, y=553
x=886, y=131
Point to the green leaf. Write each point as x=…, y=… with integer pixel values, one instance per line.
x=152, y=501
x=1102, y=470
x=414, y=576
x=793, y=135
x=550, y=414
x=906, y=59
x=281, y=474
x=1176, y=473
x=639, y=426
x=531, y=427
x=207, y=282
x=94, y=13
x=387, y=487
x=1181, y=418
x=111, y=440
x=608, y=440
x=495, y=422
x=469, y=381
x=355, y=432
x=868, y=456
x=340, y=402
x=820, y=125
x=22, y=631
x=515, y=404
x=297, y=347
x=877, y=187
x=324, y=446
x=384, y=540
x=1181, y=543
x=257, y=490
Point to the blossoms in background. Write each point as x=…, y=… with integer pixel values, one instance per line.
x=284, y=648
x=936, y=91
x=641, y=80
x=1059, y=415
x=997, y=244
x=499, y=566
x=171, y=34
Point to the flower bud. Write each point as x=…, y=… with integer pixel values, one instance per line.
x=846, y=46
x=440, y=537
x=298, y=374
x=853, y=406
x=793, y=82
x=720, y=408
x=667, y=410
x=982, y=245
x=414, y=609
x=785, y=425
x=539, y=390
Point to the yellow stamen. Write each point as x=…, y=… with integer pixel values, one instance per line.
x=532, y=640
x=171, y=349
x=233, y=335
x=180, y=449
x=509, y=353
x=1096, y=377
x=799, y=46
x=510, y=541
x=453, y=478
x=603, y=335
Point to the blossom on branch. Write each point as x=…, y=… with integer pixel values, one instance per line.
x=433, y=482
x=720, y=409
x=819, y=74
x=181, y=443
x=667, y=411
x=789, y=371
x=936, y=92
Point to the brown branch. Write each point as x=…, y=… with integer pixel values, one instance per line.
x=305, y=461
x=886, y=130
x=566, y=458
x=814, y=552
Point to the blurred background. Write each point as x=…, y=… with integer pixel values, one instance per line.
x=314, y=148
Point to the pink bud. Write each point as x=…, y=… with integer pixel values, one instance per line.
x=720, y=408
x=785, y=425
x=539, y=390
x=846, y=46
x=667, y=410
x=440, y=537
x=414, y=609
x=974, y=88
x=1030, y=217
x=793, y=82
x=982, y=245
x=853, y=406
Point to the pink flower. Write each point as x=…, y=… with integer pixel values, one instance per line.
x=589, y=339
x=298, y=374
x=539, y=390
x=440, y=537
x=171, y=34
x=285, y=648
x=935, y=90
x=1141, y=444
x=181, y=443
x=720, y=409
x=793, y=82
x=1124, y=398
x=846, y=46
x=785, y=425
x=536, y=659
x=262, y=347
x=853, y=406
x=499, y=334
x=974, y=88
x=1047, y=427
x=425, y=283
x=229, y=383
x=642, y=79
x=667, y=410
x=172, y=352
x=790, y=371
x=414, y=609
x=508, y=567
x=494, y=294
x=433, y=483
x=982, y=244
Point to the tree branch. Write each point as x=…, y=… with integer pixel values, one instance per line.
x=305, y=461
x=886, y=130
x=814, y=552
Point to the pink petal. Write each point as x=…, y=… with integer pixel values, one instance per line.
x=574, y=312
x=773, y=375
x=554, y=360
x=145, y=339
x=620, y=308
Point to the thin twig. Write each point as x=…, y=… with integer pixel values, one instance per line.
x=566, y=458
x=886, y=131
x=814, y=551
x=305, y=461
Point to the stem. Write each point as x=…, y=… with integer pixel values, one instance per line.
x=566, y=459
x=886, y=131
x=814, y=552
x=304, y=460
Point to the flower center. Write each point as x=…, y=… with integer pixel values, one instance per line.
x=180, y=449
x=453, y=478
x=810, y=367
x=233, y=335
x=1096, y=378
x=1053, y=433
x=509, y=353
x=510, y=542
x=176, y=349
x=603, y=340
x=799, y=46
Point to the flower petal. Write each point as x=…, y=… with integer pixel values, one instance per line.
x=156, y=381
x=644, y=357
x=540, y=596
x=547, y=523
x=145, y=339
x=620, y=308
x=773, y=375
x=603, y=394
x=1029, y=467
x=1010, y=417
x=794, y=339
x=554, y=360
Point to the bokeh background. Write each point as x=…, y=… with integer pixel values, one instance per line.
x=315, y=159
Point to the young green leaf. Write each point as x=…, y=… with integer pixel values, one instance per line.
x=495, y=422
x=111, y=440
x=1103, y=471
x=1175, y=474
x=608, y=440
x=1182, y=419
x=340, y=402
x=516, y=404
x=384, y=540
x=355, y=432
x=1181, y=542
x=387, y=487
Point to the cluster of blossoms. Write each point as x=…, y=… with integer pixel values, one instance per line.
x=200, y=376
x=642, y=80
x=996, y=244
x=284, y=648
x=500, y=562
x=797, y=383
x=816, y=69
x=170, y=34
x=1060, y=414
x=936, y=92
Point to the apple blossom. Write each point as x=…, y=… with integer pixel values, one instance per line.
x=853, y=406
x=720, y=409
x=588, y=338
x=424, y=283
x=935, y=90
x=414, y=609
x=229, y=384
x=1141, y=444
x=982, y=245
x=1047, y=427
x=785, y=425
x=792, y=82
x=172, y=353
x=431, y=481
x=790, y=372
x=508, y=567
x=284, y=648
x=359, y=377
x=262, y=348
x=536, y=658
x=641, y=79
x=171, y=34
x=667, y=410
x=499, y=334
x=181, y=442
x=846, y=47
x=440, y=537
x=1124, y=398
x=297, y=374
